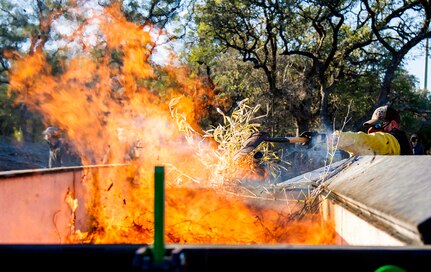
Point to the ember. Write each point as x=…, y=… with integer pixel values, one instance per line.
x=118, y=114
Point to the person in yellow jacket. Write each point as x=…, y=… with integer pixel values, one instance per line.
x=383, y=137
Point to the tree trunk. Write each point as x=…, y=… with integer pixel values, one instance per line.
x=324, y=111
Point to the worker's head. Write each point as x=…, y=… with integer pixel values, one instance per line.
x=384, y=119
x=51, y=133
x=414, y=138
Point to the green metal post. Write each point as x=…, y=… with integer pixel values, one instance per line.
x=159, y=215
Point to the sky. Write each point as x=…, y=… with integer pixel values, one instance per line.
x=416, y=66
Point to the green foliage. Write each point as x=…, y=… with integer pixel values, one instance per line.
x=413, y=103
x=357, y=92
x=9, y=121
x=16, y=121
x=232, y=39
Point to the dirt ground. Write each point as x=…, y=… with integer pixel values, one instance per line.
x=16, y=155
x=20, y=155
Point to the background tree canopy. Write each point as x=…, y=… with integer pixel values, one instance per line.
x=313, y=64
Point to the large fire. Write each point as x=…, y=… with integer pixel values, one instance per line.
x=113, y=111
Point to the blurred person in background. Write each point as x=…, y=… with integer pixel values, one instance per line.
x=417, y=147
x=53, y=137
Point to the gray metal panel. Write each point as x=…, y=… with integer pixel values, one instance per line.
x=397, y=187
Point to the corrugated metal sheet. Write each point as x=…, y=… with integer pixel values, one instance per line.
x=392, y=191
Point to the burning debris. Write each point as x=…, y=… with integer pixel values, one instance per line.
x=140, y=115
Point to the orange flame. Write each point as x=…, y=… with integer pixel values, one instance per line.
x=119, y=114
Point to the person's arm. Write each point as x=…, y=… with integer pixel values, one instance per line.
x=360, y=143
x=50, y=159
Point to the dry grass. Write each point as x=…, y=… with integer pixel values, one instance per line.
x=247, y=177
x=229, y=137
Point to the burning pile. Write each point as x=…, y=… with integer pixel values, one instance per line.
x=114, y=111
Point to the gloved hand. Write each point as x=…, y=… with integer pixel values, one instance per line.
x=314, y=138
